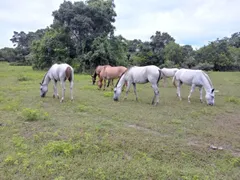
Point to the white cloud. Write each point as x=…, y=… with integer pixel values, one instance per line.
x=194, y=22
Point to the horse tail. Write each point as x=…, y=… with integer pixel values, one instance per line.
x=69, y=74
x=159, y=77
x=173, y=80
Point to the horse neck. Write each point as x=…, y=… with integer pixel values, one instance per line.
x=46, y=79
x=207, y=85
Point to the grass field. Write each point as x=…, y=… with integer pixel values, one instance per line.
x=94, y=137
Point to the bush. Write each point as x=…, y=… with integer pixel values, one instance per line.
x=204, y=66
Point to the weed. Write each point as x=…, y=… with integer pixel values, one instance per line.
x=23, y=78
x=57, y=148
x=82, y=108
x=34, y=114
x=9, y=160
x=236, y=162
x=108, y=94
x=233, y=99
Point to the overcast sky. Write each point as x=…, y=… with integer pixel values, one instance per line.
x=193, y=22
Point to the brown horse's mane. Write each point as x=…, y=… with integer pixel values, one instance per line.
x=95, y=74
x=123, y=74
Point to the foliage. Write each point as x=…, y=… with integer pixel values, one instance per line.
x=54, y=47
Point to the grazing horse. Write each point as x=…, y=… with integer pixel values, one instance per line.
x=168, y=72
x=194, y=78
x=110, y=73
x=58, y=72
x=97, y=73
x=139, y=75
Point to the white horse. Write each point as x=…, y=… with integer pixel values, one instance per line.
x=141, y=75
x=168, y=72
x=194, y=78
x=58, y=72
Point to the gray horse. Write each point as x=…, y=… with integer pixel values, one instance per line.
x=139, y=75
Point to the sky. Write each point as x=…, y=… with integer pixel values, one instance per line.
x=189, y=22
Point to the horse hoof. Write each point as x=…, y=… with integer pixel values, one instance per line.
x=53, y=96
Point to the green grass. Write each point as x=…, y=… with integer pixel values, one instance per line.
x=94, y=137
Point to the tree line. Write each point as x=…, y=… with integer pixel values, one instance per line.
x=82, y=34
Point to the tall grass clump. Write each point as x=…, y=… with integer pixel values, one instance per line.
x=233, y=99
x=29, y=114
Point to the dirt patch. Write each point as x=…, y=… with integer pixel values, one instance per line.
x=224, y=134
x=147, y=130
x=230, y=121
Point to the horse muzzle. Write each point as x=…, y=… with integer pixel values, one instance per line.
x=43, y=95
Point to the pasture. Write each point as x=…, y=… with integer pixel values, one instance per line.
x=94, y=137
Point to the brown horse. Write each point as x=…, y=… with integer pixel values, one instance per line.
x=110, y=73
x=97, y=73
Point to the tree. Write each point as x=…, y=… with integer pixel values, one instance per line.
x=85, y=22
x=55, y=47
x=160, y=40
x=173, y=53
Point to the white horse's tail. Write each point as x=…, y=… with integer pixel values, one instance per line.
x=173, y=80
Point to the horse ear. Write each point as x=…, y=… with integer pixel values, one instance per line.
x=212, y=90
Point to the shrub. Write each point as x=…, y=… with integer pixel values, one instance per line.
x=204, y=66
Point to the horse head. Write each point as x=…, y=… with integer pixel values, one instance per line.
x=117, y=92
x=210, y=97
x=43, y=90
x=99, y=84
x=94, y=78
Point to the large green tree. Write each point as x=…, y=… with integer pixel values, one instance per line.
x=55, y=47
x=86, y=21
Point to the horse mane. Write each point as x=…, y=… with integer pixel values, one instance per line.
x=95, y=74
x=44, y=77
x=210, y=82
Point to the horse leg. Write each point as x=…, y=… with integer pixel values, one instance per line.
x=200, y=90
x=127, y=90
x=156, y=94
x=191, y=91
x=112, y=84
x=108, y=83
x=104, y=84
x=135, y=91
x=71, y=90
x=179, y=90
x=55, y=92
x=63, y=90
x=164, y=81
